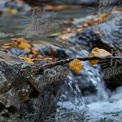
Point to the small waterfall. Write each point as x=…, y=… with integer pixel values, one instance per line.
x=80, y=90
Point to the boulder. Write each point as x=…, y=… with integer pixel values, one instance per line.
x=107, y=35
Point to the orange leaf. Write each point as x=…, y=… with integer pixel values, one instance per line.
x=98, y=52
x=93, y=62
x=88, y=22
x=75, y=65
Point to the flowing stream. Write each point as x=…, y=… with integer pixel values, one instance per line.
x=83, y=97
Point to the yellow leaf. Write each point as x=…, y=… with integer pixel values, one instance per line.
x=24, y=45
x=104, y=15
x=75, y=65
x=98, y=52
x=93, y=62
x=35, y=52
x=101, y=18
x=29, y=60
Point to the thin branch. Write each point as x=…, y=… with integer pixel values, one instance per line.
x=63, y=62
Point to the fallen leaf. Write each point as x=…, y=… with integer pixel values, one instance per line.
x=23, y=45
x=60, y=7
x=101, y=18
x=48, y=58
x=29, y=60
x=98, y=52
x=66, y=36
x=7, y=45
x=89, y=22
x=34, y=52
x=104, y=53
x=93, y=62
x=75, y=65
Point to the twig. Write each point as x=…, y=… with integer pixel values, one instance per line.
x=63, y=62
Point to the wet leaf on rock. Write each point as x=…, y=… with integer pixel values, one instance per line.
x=34, y=51
x=75, y=65
x=98, y=52
x=29, y=60
x=22, y=43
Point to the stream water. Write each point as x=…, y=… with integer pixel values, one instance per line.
x=12, y=26
x=83, y=97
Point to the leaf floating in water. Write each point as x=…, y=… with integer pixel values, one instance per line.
x=98, y=52
x=75, y=65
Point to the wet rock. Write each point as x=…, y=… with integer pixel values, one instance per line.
x=108, y=36
x=2, y=5
x=20, y=6
x=72, y=92
x=17, y=51
x=14, y=88
x=75, y=89
x=16, y=84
